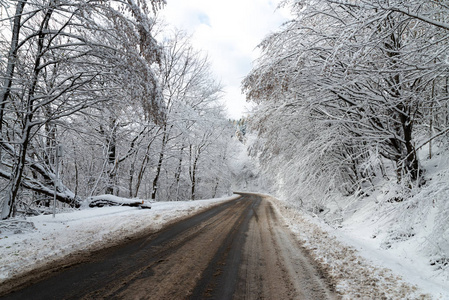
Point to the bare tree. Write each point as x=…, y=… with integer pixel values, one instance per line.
x=60, y=56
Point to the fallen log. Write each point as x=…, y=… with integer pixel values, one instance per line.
x=111, y=200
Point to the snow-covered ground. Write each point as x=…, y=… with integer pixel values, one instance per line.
x=39, y=240
x=391, y=241
x=359, y=265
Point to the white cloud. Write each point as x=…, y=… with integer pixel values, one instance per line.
x=229, y=31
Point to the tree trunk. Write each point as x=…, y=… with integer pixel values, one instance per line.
x=193, y=177
x=159, y=164
x=411, y=160
x=193, y=172
x=158, y=172
x=142, y=170
x=178, y=172
x=112, y=157
x=9, y=204
x=12, y=57
x=407, y=158
x=16, y=178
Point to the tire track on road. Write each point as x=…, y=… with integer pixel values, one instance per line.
x=237, y=250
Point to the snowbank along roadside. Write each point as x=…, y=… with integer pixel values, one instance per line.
x=357, y=270
x=44, y=239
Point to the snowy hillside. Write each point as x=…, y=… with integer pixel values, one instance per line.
x=399, y=247
x=406, y=242
x=358, y=264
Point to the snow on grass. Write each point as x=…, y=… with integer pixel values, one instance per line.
x=43, y=239
x=359, y=270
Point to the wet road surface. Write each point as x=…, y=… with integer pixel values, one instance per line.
x=238, y=250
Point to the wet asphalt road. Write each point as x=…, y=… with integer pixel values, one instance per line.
x=237, y=250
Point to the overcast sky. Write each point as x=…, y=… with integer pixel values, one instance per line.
x=228, y=31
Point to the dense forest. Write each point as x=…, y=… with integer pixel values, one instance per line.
x=101, y=98
x=349, y=91
x=353, y=114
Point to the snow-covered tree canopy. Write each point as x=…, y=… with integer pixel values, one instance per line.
x=92, y=77
x=346, y=88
